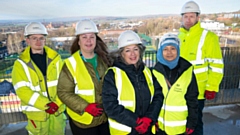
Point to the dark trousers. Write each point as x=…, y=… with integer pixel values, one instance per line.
x=102, y=129
x=160, y=132
x=199, y=129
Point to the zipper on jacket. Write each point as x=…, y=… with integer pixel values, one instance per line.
x=170, y=76
x=140, y=106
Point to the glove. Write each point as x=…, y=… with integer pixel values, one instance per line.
x=52, y=108
x=143, y=124
x=189, y=131
x=94, y=110
x=210, y=94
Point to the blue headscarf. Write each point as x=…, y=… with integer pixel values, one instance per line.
x=168, y=42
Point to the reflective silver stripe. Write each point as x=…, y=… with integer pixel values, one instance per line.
x=196, y=62
x=127, y=103
x=218, y=70
x=200, y=70
x=76, y=88
x=45, y=94
x=149, y=76
x=175, y=108
x=52, y=83
x=200, y=45
x=88, y=92
x=73, y=64
x=119, y=126
x=30, y=108
x=24, y=83
x=36, y=88
x=26, y=70
x=216, y=61
x=30, y=133
x=33, y=99
x=119, y=83
x=172, y=123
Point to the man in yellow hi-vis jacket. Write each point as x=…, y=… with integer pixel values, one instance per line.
x=201, y=48
x=35, y=76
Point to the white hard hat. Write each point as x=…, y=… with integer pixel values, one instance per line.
x=169, y=38
x=35, y=28
x=128, y=37
x=85, y=26
x=190, y=6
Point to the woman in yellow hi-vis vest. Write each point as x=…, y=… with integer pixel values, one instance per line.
x=174, y=75
x=129, y=98
x=80, y=81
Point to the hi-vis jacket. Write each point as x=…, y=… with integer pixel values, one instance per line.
x=201, y=48
x=35, y=90
x=126, y=97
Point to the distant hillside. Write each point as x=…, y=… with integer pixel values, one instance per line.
x=97, y=18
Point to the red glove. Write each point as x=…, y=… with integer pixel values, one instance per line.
x=52, y=108
x=94, y=110
x=189, y=131
x=210, y=94
x=143, y=124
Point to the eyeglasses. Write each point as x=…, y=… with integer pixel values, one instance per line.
x=37, y=39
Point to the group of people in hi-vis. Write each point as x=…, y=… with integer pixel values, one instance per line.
x=114, y=92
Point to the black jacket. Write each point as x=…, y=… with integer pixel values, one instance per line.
x=142, y=93
x=192, y=91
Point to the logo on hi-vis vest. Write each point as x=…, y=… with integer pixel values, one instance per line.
x=177, y=88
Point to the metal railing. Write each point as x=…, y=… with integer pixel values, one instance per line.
x=229, y=92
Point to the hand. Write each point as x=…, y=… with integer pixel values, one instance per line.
x=210, y=94
x=143, y=124
x=94, y=110
x=52, y=108
x=189, y=131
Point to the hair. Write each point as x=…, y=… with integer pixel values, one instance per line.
x=100, y=49
x=116, y=55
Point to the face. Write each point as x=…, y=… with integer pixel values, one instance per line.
x=36, y=43
x=87, y=42
x=131, y=54
x=189, y=19
x=170, y=53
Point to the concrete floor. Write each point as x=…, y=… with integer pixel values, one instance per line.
x=218, y=120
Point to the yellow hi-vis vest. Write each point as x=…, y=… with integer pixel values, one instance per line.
x=126, y=97
x=84, y=86
x=173, y=115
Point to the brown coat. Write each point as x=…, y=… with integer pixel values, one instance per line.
x=66, y=86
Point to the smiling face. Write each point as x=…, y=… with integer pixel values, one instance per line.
x=87, y=42
x=36, y=42
x=131, y=54
x=189, y=20
x=169, y=53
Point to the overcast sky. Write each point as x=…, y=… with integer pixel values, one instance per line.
x=47, y=9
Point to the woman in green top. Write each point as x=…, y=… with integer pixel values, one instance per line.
x=80, y=81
